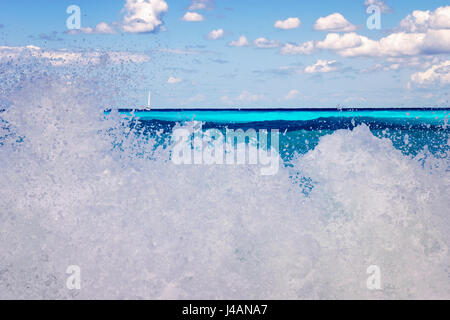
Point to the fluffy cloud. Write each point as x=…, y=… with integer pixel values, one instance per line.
x=264, y=43
x=335, y=23
x=335, y=41
x=436, y=75
x=192, y=17
x=215, y=34
x=101, y=28
x=421, y=33
x=292, y=49
x=401, y=44
x=241, y=42
x=143, y=15
x=65, y=57
x=422, y=21
x=104, y=28
x=173, y=80
x=322, y=66
x=436, y=41
x=290, y=23
x=139, y=16
x=292, y=95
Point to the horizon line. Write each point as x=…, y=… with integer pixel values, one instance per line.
x=281, y=109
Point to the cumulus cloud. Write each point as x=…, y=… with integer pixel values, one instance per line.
x=334, y=22
x=173, y=80
x=215, y=34
x=436, y=75
x=65, y=57
x=192, y=17
x=264, y=43
x=101, y=28
x=293, y=49
x=322, y=66
x=379, y=3
x=291, y=95
x=241, y=42
x=140, y=16
x=335, y=41
x=422, y=21
x=143, y=15
x=421, y=33
x=289, y=23
x=402, y=44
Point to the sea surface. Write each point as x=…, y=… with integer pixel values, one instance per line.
x=410, y=130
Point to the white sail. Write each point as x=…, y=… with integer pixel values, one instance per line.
x=149, y=101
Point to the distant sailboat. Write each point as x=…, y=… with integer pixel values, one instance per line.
x=149, y=107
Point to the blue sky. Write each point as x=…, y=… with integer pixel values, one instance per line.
x=334, y=61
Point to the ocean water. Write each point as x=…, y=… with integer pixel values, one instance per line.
x=79, y=186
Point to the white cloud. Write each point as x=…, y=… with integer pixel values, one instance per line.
x=173, y=80
x=322, y=66
x=101, y=28
x=65, y=57
x=334, y=22
x=241, y=42
x=436, y=75
x=422, y=33
x=436, y=41
x=396, y=44
x=334, y=41
x=104, y=28
x=216, y=34
x=192, y=17
x=290, y=23
x=265, y=43
x=201, y=4
x=381, y=4
x=143, y=15
x=402, y=44
x=422, y=21
x=292, y=49
x=292, y=95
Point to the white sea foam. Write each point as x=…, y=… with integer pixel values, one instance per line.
x=141, y=227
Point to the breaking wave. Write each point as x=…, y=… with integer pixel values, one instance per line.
x=77, y=188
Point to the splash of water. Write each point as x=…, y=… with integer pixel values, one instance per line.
x=79, y=189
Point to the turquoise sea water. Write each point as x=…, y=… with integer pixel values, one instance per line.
x=245, y=116
x=410, y=130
